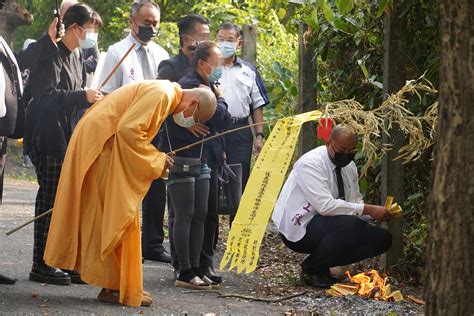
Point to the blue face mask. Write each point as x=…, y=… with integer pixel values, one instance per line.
x=89, y=41
x=228, y=49
x=215, y=75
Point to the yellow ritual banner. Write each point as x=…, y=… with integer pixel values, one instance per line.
x=261, y=193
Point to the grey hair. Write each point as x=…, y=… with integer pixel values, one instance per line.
x=138, y=4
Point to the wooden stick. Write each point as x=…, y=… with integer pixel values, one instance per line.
x=29, y=222
x=249, y=298
x=172, y=152
x=116, y=67
x=221, y=134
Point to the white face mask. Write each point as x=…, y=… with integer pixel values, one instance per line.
x=184, y=121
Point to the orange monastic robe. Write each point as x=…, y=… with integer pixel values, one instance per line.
x=109, y=166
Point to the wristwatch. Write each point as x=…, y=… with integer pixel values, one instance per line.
x=260, y=134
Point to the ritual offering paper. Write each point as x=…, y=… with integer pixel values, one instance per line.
x=261, y=193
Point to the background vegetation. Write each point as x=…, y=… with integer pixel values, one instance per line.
x=349, y=55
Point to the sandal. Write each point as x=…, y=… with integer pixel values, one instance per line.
x=109, y=296
x=195, y=283
x=113, y=296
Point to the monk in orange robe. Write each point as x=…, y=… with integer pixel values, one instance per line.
x=108, y=168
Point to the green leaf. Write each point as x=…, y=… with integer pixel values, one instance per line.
x=382, y=5
x=344, y=26
x=363, y=185
x=361, y=63
x=312, y=20
x=345, y=6
x=327, y=11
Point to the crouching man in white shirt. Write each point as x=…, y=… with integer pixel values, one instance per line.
x=320, y=211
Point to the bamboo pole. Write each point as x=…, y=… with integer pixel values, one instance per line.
x=116, y=67
x=169, y=153
x=29, y=222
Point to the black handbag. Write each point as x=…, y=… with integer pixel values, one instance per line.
x=184, y=166
x=230, y=188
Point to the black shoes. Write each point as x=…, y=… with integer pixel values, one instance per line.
x=155, y=256
x=45, y=274
x=211, y=274
x=320, y=280
x=75, y=276
x=6, y=280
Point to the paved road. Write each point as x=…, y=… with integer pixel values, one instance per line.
x=28, y=297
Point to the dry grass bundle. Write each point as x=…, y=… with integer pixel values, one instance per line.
x=419, y=130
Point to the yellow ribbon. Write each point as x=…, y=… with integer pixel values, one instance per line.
x=261, y=193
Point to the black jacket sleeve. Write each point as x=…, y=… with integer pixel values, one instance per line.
x=36, y=52
x=221, y=118
x=44, y=87
x=166, y=71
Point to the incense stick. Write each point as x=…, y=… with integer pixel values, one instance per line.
x=116, y=67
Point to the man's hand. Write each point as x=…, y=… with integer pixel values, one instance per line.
x=52, y=31
x=93, y=95
x=258, y=144
x=169, y=162
x=199, y=129
x=377, y=212
x=218, y=91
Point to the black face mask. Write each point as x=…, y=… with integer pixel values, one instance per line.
x=146, y=33
x=343, y=159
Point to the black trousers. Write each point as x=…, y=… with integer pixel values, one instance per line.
x=239, y=146
x=211, y=224
x=48, y=170
x=153, y=213
x=339, y=240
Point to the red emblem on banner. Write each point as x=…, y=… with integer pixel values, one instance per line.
x=324, y=128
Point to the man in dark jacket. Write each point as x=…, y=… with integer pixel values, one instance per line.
x=11, y=92
x=193, y=28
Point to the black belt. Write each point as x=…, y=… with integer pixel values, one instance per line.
x=239, y=120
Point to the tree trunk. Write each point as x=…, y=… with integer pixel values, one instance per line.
x=249, y=47
x=450, y=267
x=395, y=47
x=307, y=86
x=12, y=16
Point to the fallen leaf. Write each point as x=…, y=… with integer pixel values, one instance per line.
x=416, y=300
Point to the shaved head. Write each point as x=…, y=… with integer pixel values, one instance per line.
x=343, y=131
x=199, y=102
x=207, y=103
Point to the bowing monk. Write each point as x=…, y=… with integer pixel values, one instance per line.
x=108, y=168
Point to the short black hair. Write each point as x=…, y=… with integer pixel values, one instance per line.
x=230, y=26
x=80, y=14
x=186, y=25
x=2, y=3
x=202, y=52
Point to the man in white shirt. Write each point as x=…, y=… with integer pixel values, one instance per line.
x=142, y=62
x=245, y=94
x=320, y=211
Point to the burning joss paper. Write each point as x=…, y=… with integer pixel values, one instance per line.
x=367, y=284
x=394, y=208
